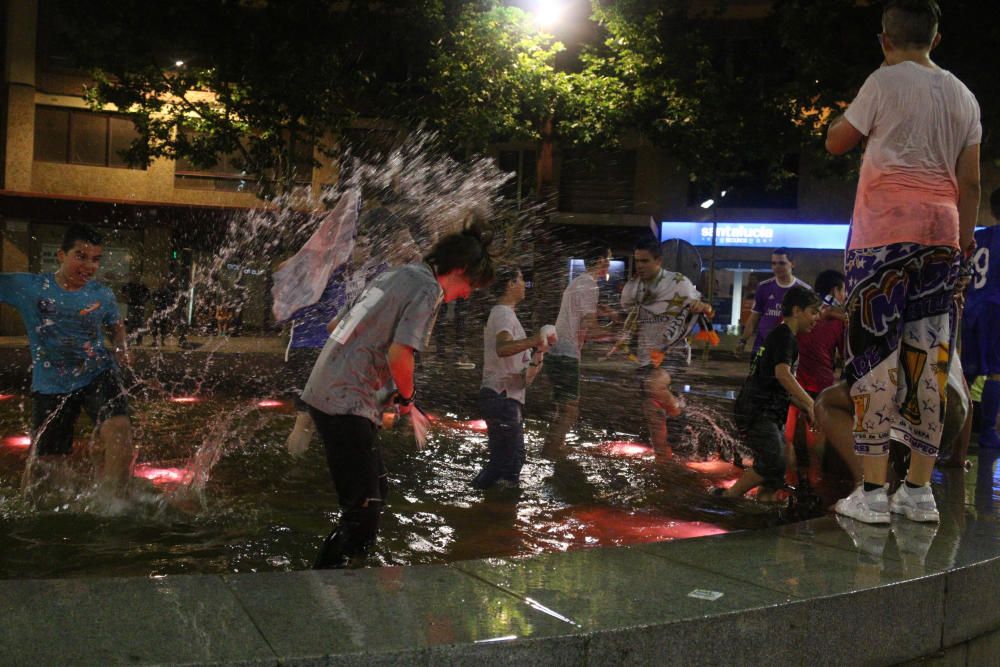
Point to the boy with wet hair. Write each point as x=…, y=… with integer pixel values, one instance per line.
x=66, y=315
x=762, y=404
x=368, y=360
x=577, y=320
x=914, y=216
x=981, y=322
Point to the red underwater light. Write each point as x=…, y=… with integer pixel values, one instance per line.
x=270, y=403
x=627, y=448
x=184, y=399
x=18, y=441
x=160, y=476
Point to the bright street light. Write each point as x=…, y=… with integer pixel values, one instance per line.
x=707, y=203
x=548, y=12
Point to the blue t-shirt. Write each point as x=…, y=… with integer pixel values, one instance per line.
x=984, y=287
x=65, y=329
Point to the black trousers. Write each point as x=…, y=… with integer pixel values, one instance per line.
x=355, y=461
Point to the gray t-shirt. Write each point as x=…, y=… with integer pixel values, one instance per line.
x=504, y=374
x=578, y=301
x=351, y=376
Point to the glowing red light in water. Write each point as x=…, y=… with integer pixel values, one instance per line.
x=270, y=403
x=4, y=397
x=625, y=448
x=184, y=399
x=18, y=441
x=164, y=475
x=605, y=526
x=475, y=425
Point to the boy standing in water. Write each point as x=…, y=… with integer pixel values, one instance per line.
x=914, y=215
x=66, y=314
x=762, y=404
x=511, y=360
x=370, y=354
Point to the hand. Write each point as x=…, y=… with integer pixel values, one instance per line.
x=699, y=307
x=540, y=342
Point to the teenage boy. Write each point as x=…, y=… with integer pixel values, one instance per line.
x=368, y=358
x=762, y=404
x=655, y=299
x=914, y=214
x=576, y=321
x=66, y=315
x=766, y=312
x=981, y=322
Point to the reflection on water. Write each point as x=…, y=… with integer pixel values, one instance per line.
x=262, y=510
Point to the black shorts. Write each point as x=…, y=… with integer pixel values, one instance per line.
x=55, y=415
x=564, y=375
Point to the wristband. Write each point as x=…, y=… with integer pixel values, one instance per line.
x=400, y=400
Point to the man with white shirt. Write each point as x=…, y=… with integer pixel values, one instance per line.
x=577, y=320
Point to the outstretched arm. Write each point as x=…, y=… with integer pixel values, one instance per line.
x=841, y=136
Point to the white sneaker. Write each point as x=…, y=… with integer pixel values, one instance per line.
x=867, y=507
x=915, y=504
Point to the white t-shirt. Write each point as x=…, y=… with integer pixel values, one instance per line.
x=504, y=373
x=578, y=301
x=918, y=120
x=660, y=301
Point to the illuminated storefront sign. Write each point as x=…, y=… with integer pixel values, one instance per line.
x=763, y=234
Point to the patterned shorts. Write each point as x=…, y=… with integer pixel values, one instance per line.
x=900, y=341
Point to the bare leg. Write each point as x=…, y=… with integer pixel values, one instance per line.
x=748, y=480
x=835, y=419
x=875, y=468
x=921, y=467
x=565, y=417
x=658, y=404
x=302, y=433
x=119, y=455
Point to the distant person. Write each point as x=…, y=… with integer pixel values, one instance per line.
x=655, y=299
x=762, y=404
x=368, y=360
x=820, y=348
x=168, y=312
x=577, y=320
x=66, y=315
x=981, y=325
x=914, y=215
x=511, y=360
x=766, y=311
x=136, y=297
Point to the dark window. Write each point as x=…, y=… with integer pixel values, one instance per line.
x=226, y=174
x=81, y=137
x=597, y=181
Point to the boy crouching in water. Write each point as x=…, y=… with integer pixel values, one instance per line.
x=762, y=404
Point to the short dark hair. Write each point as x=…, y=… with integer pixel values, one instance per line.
x=505, y=275
x=827, y=281
x=595, y=253
x=467, y=250
x=80, y=232
x=911, y=23
x=995, y=203
x=650, y=245
x=798, y=296
x=783, y=251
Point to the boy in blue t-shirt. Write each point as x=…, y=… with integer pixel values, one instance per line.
x=65, y=314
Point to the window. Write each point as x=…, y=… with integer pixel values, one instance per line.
x=82, y=137
x=226, y=174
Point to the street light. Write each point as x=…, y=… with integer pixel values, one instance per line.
x=548, y=12
x=710, y=204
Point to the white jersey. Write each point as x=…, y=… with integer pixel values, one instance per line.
x=660, y=302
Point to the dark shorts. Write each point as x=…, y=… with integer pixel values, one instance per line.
x=564, y=374
x=980, y=352
x=54, y=415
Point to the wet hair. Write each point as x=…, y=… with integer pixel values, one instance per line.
x=467, y=250
x=995, y=203
x=798, y=296
x=595, y=253
x=505, y=275
x=827, y=281
x=650, y=245
x=82, y=233
x=783, y=251
x=911, y=24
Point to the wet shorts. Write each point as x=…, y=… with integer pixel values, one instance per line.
x=55, y=415
x=564, y=374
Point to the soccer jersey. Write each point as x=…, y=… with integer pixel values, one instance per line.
x=351, y=376
x=767, y=303
x=984, y=287
x=660, y=302
x=65, y=329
